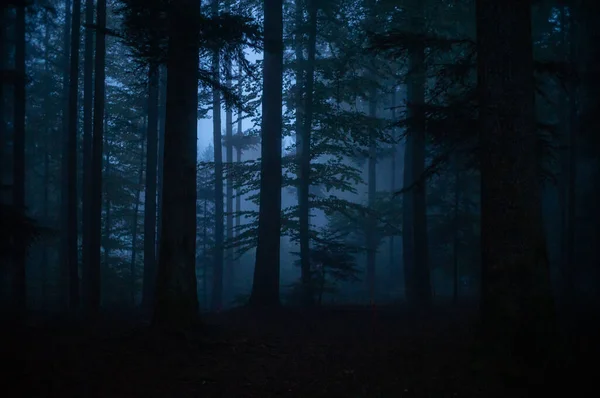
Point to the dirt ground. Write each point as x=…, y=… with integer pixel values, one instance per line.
x=349, y=352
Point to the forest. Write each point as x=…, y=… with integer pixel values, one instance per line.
x=335, y=198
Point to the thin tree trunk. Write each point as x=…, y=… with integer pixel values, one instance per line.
x=298, y=49
x=305, y=156
x=134, y=234
x=93, y=299
x=64, y=186
x=71, y=154
x=455, y=241
x=393, y=189
x=416, y=99
x=162, y=110
x=217, y=290
x=88, y=103
x=106, y=245
x=176, y=304
x=149, y=279
x=265, y=286
x=229, y=199
x=19, y=259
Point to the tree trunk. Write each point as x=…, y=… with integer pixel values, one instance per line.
x=408, y=256
x=149, y=279
x=106, y=243
x=64, y=169
x=516, y=296
x=162, y=110
x=265, y=286
x=88, y=103
x=229, y=155
x=71, y=155
x=305, y=156
x=416, y=99
x=176, y=293
x=135, y=227
x=392, y=260
x=19, y=259
x=217, y=288
x=456, y=240
x=93, y=293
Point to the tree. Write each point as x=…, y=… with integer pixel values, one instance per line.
x=18, y=197
x=305, y=157
x=516, y=297
x=217, y=290
x=265, y=287
x=93, y=285
x=88, y=103
x=71, y=162
x=150, y=191
x=176, y=296
x=420, y=280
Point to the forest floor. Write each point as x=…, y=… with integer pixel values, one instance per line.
x=352, y=352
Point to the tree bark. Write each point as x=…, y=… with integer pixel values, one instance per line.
x=217, y=288
x=149, y=278
x=416, y=100
x=93, y=293
x=176, y=303
x=71, y=154
x=64, y=169
x=517, y=307
x=265, y=286
x=305, y=157
x=18, y=197
x=229, y=199
x=88, y=103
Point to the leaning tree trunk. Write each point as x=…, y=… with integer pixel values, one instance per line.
x=176, y=304
x=517, y=307
x=265, y=286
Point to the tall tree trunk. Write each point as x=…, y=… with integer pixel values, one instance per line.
x=134, y=234
x=416, y=99
x=265, y=286
x=19, y=259
x=106, y=243
x=93, y=294
x=516, y=295
x=149, y=280
x=408, y=255
x=238, y=150
x=176, y=293
x=64, y=186
x=456, y=240
x=392, y=260
x=88, y=103
x=46, y=180
x=217, y=288
x=229, y=199
x=162, y=113
x=305, y=156
x=71, y=154
x=299, y=54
